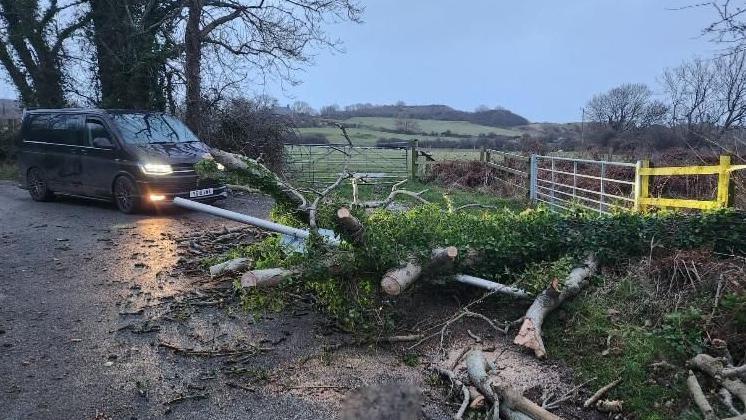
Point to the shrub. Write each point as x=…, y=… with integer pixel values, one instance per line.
x=250, y=128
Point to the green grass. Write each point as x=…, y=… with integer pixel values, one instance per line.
x=359, y=136
x=429, y=126
x=365, y=131
x=632, y=348
x=8, y=170
x=442, y=196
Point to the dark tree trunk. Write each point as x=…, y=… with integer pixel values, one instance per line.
x=130, y=58
x=193, y=65
x=37, y=60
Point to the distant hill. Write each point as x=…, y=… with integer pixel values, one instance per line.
x=491, y=118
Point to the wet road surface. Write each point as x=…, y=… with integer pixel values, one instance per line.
x=75, y=274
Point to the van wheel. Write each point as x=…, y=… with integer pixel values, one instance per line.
x=126, y=195
x=37, y=186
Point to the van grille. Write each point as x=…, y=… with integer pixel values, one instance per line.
x=183, y=168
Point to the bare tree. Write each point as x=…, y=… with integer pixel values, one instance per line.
x=301, y=107
x=270, y=34
x=707, y=97
x=406, y=126
x=329, y=110
x=730, y=26
x=626, y=107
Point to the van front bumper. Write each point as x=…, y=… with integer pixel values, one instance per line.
x=166, y=190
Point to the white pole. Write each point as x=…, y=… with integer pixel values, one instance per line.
x=249, y=220
x=303, y=234
x=491, y=285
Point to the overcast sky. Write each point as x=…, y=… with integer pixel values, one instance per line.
x=540, y=58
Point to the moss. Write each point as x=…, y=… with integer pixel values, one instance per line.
x=623, y=343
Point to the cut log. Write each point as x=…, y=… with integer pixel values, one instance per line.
x=230, y=266
x=529, y=335
x=714, y=367
x=398, y=279
x=265, y=278
x=699, y=397
x=514, y=401
x=351, y=226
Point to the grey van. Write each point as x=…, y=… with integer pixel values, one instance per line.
x=134, y=158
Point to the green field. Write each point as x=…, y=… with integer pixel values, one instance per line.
x=464, y=128
x=365, y=131
x=359, y=136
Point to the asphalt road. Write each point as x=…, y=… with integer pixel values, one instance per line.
x=71, y=273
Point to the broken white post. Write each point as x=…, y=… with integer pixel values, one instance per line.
x=249, y=220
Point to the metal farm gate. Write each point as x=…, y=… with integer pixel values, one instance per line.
x=318, y=165
x=601, y=186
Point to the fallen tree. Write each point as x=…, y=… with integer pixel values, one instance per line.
x=726, y=376
x=386, y=252
x=529, y=335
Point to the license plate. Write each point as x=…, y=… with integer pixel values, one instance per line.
x=200, y=193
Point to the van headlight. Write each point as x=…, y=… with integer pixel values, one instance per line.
x=156, y=169
x=220, y=166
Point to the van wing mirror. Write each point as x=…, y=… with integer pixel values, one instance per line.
x=103, y=143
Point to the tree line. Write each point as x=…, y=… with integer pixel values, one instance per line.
x=701, y=102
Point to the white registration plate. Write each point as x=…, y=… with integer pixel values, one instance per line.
x=200, y=193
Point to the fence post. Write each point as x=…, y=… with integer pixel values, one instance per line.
x=487, y=156
x=637, y=188
x=482, y=154
x=723, y=181
x=532, y=178
x=644, y=189
x=603, y=189
x=413, y=148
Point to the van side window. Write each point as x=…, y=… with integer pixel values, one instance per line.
x=58, y=129
x=95, y=129
x=38, y=126
x=65, y=129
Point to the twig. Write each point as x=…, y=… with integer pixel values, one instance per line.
x=458, y=358
x=312, y=210
x=600, y=393
x=476, y=338
x=319, y=387
x=399, y=338
x=183, y=398
x=481, y=206
x=464, y=390
x=550, y=404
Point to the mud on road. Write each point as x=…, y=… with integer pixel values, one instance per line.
x=98, y=321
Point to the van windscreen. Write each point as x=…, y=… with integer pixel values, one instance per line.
x=152, y=127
